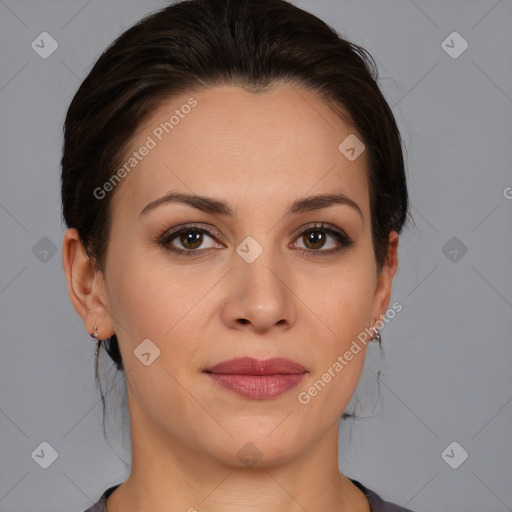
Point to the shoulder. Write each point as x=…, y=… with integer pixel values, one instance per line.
x=377, y=504
x=101, y=504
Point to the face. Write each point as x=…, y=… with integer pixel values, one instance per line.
x=254, y=270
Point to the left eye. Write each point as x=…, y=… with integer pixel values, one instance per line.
x=315, y=238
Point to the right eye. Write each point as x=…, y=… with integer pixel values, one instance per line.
x=191, y=238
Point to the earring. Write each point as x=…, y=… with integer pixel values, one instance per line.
x=376, y=336
x=95, y=333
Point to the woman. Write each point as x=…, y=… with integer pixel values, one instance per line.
x=234, y=187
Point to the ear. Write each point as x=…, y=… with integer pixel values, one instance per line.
x=385, y=280
x=86, y=286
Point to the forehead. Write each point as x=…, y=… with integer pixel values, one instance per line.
x=233, y=144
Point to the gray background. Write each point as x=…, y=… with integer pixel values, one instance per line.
x=446, y=358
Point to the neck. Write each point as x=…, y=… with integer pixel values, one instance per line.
x=168, y=475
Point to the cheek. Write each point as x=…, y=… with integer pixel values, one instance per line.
x=342, y=305
x=149, y=300
x=156, y=303
x=341, y=300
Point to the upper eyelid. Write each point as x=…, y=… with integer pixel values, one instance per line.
x=192, y=227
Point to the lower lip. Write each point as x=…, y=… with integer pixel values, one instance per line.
x=258, y=387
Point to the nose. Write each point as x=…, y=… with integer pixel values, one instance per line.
x=259, y=295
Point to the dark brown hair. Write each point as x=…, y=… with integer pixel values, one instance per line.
x=195, y=44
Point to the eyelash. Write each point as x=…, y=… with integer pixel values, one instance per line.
x=167, y=237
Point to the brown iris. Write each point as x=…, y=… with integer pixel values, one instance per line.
x=191, y=239
x=315, y=239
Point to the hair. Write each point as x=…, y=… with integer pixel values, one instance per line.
x=195, y=44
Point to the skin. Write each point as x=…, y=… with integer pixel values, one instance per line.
x=258, y=153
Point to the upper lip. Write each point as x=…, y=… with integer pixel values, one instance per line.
x=251, y=366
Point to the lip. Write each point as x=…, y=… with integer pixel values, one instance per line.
x=257, y=379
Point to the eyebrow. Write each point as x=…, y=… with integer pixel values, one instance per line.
x=211, y=205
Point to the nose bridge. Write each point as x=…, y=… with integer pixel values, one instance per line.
x=259, y=266
x=258, y=290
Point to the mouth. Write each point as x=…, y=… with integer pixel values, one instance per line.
x=257, y=379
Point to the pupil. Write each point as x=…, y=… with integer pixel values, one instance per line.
x=192, y=238
x=316, y=238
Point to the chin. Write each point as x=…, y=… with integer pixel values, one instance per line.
x=253, y=446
